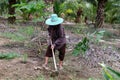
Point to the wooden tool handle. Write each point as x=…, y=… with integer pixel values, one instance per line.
x=54, y=57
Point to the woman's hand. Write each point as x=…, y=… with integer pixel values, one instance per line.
x=52, y=46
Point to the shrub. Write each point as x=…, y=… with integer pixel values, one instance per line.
x=83, y=46
x=34, y=8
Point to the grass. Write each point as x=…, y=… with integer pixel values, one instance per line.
x=93, y=79
x=42, y=77
x=27, y=31
x=13, y=36
x=77, y=29
x=10, y=55
x=22, y=34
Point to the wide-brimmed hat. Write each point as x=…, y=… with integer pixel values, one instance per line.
x=54, y=20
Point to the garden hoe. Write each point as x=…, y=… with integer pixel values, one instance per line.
x=54, y=73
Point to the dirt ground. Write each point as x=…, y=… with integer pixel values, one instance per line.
x=75, y=68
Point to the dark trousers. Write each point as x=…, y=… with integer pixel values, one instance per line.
x=61, y=52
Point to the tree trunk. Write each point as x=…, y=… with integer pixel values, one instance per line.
x=79, y=13
x=100, y=14
x=11, y=9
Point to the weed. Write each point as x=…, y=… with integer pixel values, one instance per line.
x=10, y=55
x=109, y=73
x=41, y=77
x=93, y=79
x=27, y=31
x=24, y=57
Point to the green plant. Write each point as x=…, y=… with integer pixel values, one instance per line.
x=83, y=45
x=93, y=79
x=96, y=36
x=14, y=36
x=3, y=7
x=109, y=73
x=90, y=79
x=57, y=4
x=112, y=11
x=27, y=31
x=69, y=8
x=89, y=11
x=32, y=8
x=79, y=8
x=10, y=55
x=42, y=77
x=23, y=33
x=24, y=57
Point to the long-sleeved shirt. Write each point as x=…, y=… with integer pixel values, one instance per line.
x=57, y=36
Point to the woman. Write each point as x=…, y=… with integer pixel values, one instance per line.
x=57, y=36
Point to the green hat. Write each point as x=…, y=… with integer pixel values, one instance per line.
x=54, y=20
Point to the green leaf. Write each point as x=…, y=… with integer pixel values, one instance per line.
x=109, y=73
x=81, y=47
x=107, y=76
x=114, y=72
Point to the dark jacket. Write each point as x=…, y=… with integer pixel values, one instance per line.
x=57, y=36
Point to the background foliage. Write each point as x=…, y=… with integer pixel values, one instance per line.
x=36, y=9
